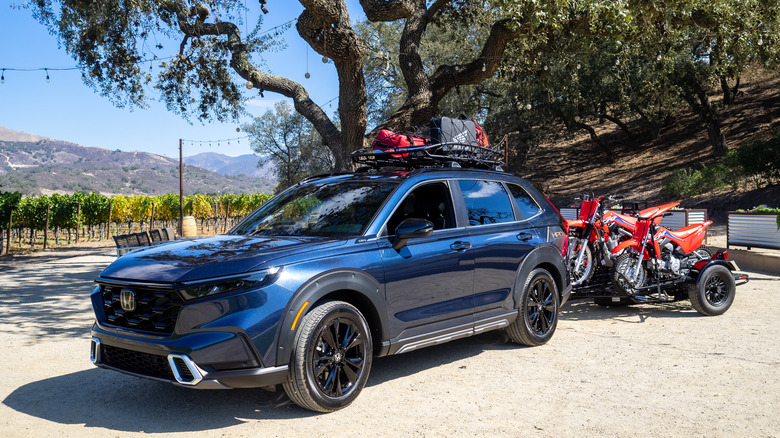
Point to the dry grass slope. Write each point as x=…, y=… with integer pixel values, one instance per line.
x=567, y=169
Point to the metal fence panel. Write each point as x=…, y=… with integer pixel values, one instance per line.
x=569, y=213
x=758, y=230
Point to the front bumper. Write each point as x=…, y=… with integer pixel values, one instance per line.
x=187, y=361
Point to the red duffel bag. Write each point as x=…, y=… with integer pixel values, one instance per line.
x=390, y=141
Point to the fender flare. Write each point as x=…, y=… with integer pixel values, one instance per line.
x=543, y=254
x=366, y=289
x=725, y=263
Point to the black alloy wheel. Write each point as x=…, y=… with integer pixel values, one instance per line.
x=331, y=357
x=714, y=293
x=539, y=304
x=339, y=357
x=715, y=290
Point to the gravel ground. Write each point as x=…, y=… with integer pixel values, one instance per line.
x=635, y=371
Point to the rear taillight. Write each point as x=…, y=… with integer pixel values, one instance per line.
x=721, y=254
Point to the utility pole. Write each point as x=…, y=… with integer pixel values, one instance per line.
x=181, y=188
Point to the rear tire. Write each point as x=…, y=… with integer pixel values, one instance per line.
x=714, y=293
x=539, y=305
x=331, y=358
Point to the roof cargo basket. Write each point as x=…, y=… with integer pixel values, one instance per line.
x=432, y=155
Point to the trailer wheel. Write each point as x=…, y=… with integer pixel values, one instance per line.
x=714, y=293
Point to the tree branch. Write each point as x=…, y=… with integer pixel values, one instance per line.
x=387, y=10
x=240, y=63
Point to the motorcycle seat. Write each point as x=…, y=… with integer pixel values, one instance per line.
x=684, y=233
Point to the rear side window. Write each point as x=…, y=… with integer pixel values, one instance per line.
x=487, y=202
x=528, y=207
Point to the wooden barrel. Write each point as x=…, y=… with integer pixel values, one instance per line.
x=188, y=226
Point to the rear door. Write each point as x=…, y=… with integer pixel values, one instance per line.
x=502, y=237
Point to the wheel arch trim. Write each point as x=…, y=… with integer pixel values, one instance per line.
x=542, y=256
x=351, y=285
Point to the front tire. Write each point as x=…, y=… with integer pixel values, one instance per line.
x=539, y=305
x=625, y=264
x=332, y=354
x=714, y=293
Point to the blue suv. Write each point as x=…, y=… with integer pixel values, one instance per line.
x=334, y=271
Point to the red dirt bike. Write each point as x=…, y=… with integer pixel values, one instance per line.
x=589, y=240
x=658, y=265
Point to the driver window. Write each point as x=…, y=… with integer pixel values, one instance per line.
x=431, y=202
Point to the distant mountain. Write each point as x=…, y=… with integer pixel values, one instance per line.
x=11, y=135
x=225, y=165
x=37, y=165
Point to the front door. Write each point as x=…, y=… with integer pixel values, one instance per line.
x=429, y=282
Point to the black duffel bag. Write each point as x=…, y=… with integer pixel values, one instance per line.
x=448, y=130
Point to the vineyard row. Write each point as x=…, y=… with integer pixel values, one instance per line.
x=94, y=216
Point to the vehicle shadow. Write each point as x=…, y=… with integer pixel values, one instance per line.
x=36, y=298
x=106, y=399
x=586, y=310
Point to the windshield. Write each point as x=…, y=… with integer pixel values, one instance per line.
x=336, y=209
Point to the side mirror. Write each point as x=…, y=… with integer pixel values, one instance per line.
x=409, y=229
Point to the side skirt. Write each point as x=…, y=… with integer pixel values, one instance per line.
x=435, y=337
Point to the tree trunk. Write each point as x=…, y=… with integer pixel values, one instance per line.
x=717, y=139
x=729, y=93
x=616, y=121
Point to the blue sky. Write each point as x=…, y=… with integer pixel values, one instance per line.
x=67, y=109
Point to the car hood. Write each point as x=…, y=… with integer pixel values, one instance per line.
x=215, y=256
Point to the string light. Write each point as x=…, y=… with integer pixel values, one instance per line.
x=47, y=76
x=143, y=61
x=217, y=142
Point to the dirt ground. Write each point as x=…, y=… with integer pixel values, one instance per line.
x=635, y=371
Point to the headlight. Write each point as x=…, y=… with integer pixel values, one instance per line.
x=219, y=285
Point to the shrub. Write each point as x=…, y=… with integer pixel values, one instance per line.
x=758, y=161
x=691, y=182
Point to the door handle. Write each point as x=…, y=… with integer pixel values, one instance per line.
x=460, y=246
x=524, y=237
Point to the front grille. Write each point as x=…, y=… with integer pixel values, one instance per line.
x=156, y=310
x=136, y=362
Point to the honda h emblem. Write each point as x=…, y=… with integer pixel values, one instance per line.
x=127, y=300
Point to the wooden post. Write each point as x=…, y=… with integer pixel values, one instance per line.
x=110, y=206
x=78, y=222
x=181, y=187
x=151, y=221
x=227, y=214
x=46, y=227
x=10, y=221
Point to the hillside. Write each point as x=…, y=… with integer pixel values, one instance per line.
x=246, y=164
x=566, y=169
x=36, y=165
